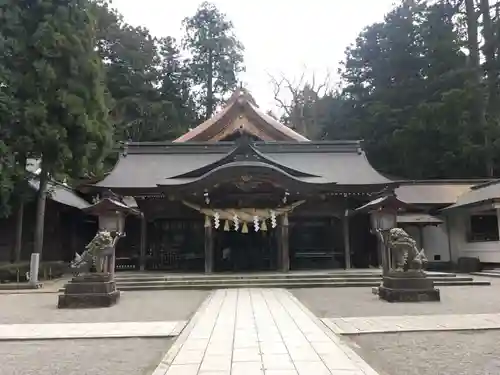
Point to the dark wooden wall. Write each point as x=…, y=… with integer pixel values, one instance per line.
x=67, y=231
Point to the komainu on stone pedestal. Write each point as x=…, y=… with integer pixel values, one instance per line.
x=411, y=286
x=91, y=290
x=406, y=280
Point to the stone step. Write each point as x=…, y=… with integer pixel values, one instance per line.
x=275, y=276
x=288, y=284
x=283, y=283
x=210, y=281
x=486, y=273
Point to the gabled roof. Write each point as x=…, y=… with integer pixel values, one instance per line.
x=418, y=219
x=387, y=201
x=58, y=192
x=434, y=192
x=241, y=114
x=484, y=193
x=149, y=165
x=110, y=204
x=61, y=194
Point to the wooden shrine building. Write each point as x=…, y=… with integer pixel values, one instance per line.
x=243, y=192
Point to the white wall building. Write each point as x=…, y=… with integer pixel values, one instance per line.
x=453, y=219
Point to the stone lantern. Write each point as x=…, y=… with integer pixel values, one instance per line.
x=383, y=219
x=111, y=214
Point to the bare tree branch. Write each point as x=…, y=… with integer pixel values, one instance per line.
x=298, y=100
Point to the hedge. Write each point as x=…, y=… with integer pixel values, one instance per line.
x=48, y=270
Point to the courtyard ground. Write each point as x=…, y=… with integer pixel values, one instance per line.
x=116, y=356
x=431, y=353
x=473, y=352
x=345, y=302
x=132, y=356
x=133, y=307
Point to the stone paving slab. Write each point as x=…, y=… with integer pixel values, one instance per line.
x=259, y=331
x=407, y=323
x=90, y=330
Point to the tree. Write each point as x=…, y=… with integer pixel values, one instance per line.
x=8, y=114
x=406, y=92
x=146, y=79
x=216, y=55
x=304, y=103
x=15, y=145
x=175, y=87
x=56, y=73
x=491, y=68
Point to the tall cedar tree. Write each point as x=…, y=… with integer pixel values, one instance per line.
x=57, y=75
x=14, y=150
x=146, y=79
x=216, y=55
x=407, y=93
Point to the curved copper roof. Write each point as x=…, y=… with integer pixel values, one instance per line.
x=149, y=165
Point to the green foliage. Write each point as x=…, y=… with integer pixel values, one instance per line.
x=10, y=141
x=407, y=93
x=13, y=272
x=54, y=80
x=56, y=74
x=146, y=80
x=74, y=77
x=216, y=56
x=175, y=86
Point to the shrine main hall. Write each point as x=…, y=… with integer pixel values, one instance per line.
x=243, y=192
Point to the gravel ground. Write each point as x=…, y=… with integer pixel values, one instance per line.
x=82, y=357
x=346, y=302
x=431, y=353
x=132, y=307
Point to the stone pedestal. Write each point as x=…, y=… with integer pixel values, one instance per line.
x=411, y=286
x=92, y=290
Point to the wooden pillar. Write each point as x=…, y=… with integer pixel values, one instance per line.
x=76, y=238
x=347, y=244
x=209, y=249
x=277, y=258
x=142, y=255
x=421, y=236
x=498, y=221
x=285, y=250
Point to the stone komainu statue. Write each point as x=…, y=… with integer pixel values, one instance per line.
x=102, y=244
x=405, y=254
x=82, y=263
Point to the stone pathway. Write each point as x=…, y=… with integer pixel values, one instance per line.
x=258, y=331
x=406, y=323
x=89, y=330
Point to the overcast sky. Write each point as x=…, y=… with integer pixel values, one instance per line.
x=280, y=36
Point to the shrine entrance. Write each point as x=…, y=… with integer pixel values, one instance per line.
x=252, y=251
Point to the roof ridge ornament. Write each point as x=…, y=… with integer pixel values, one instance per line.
x=241, y=95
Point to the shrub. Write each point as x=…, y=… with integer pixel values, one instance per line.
x=48, y=270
